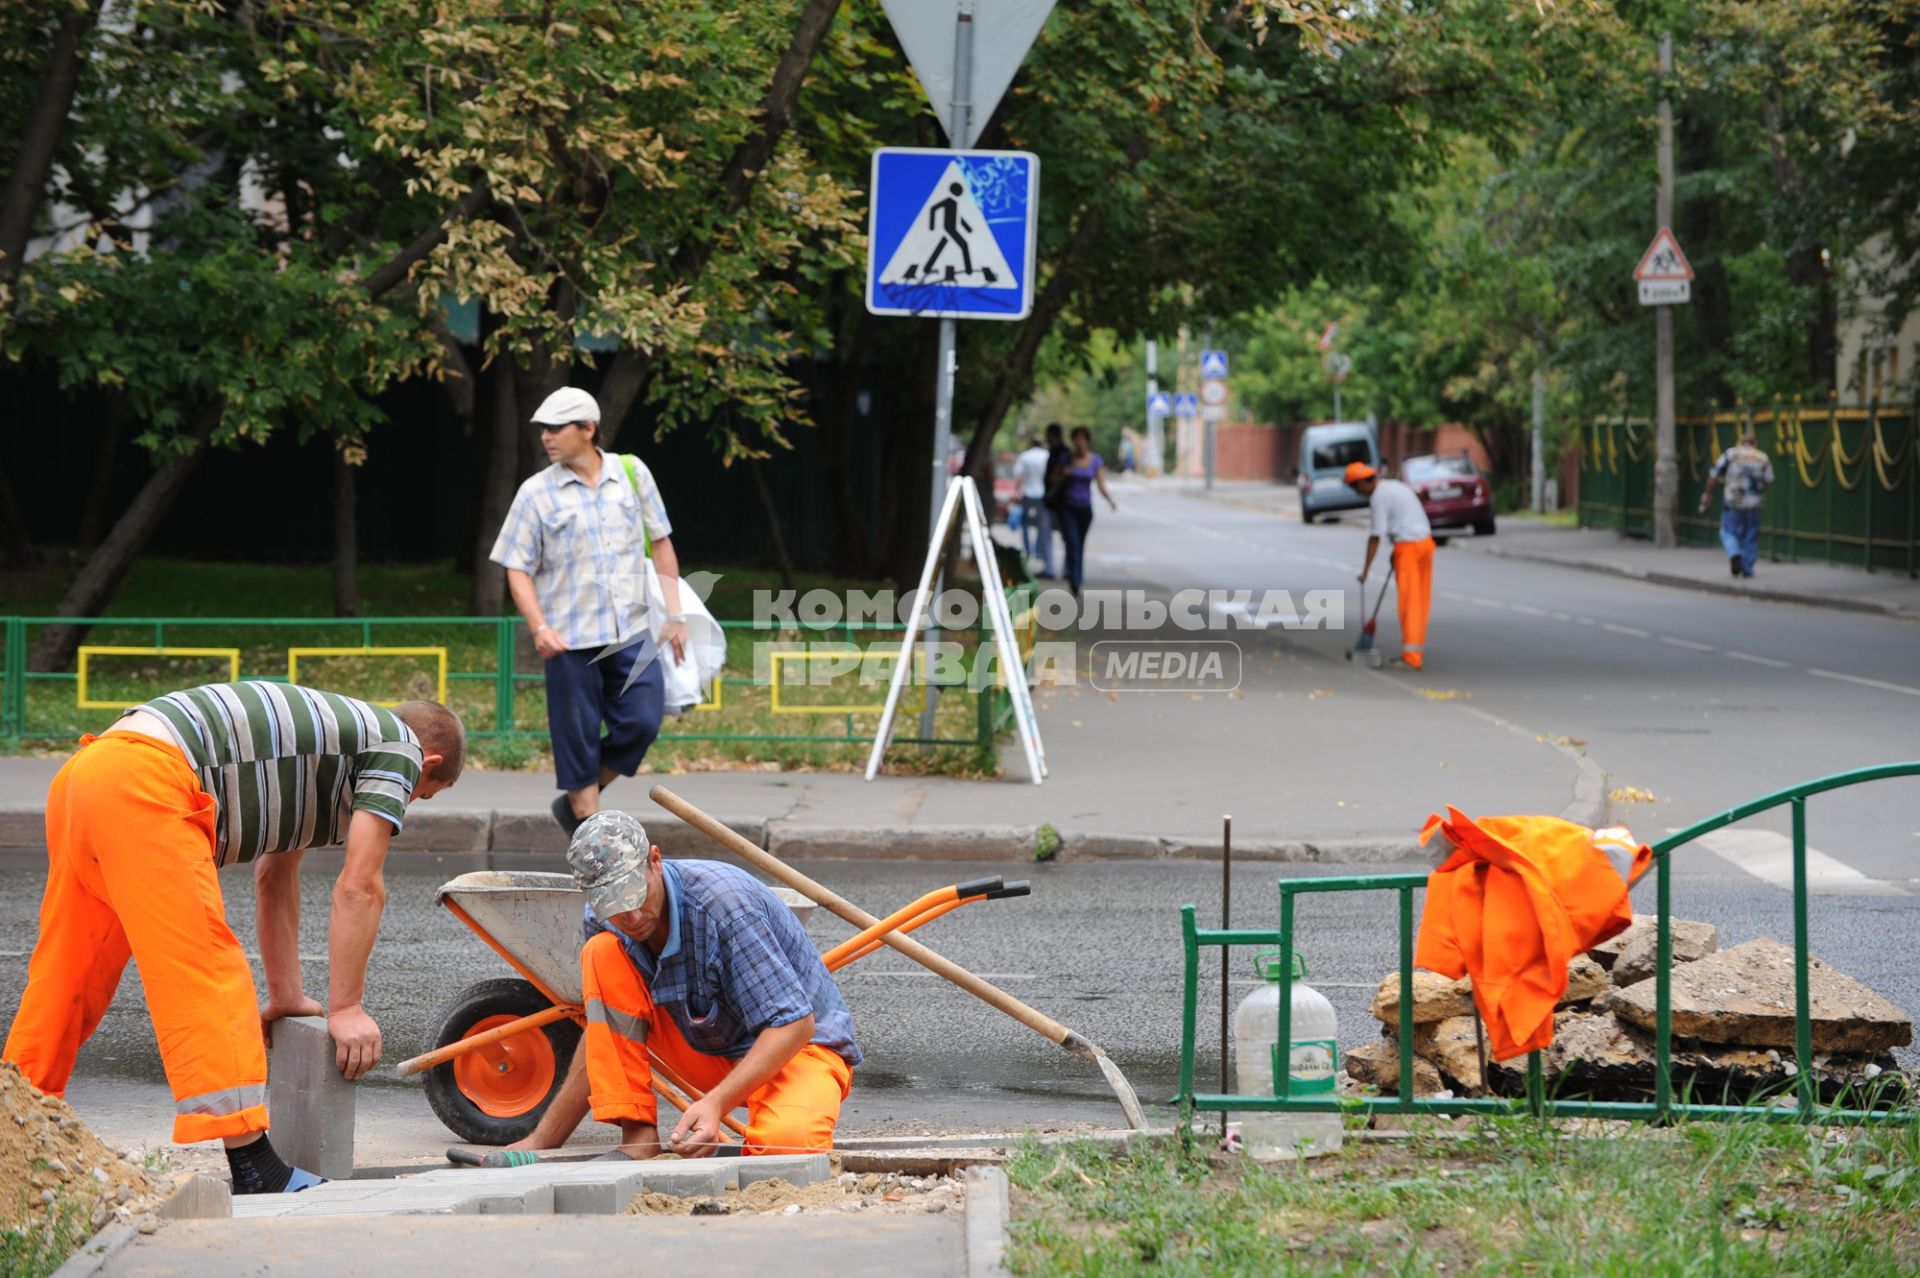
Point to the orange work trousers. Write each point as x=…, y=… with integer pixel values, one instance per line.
x=1413, y=569
x=793, y=1112
x=130, y=872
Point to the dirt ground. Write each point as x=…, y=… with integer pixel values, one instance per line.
x=881, y=1193
x=50, y=1161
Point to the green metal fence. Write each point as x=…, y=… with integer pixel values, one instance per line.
x=1664, y=1106
x=1846, y=480
x=481, y=675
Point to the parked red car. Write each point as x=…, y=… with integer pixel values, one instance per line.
x=1452, y=491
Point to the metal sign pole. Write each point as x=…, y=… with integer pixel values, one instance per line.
x=961, y=137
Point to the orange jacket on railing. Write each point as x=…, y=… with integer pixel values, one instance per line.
x=1519, y=897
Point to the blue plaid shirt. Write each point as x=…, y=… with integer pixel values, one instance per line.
x=585, y=547
x=736, y=962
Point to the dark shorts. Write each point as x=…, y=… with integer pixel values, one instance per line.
x=583, y=694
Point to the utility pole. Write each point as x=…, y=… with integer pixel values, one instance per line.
x=961, y=136
x=1206, y=424
x=1150, y=464
x=1666, y=465
x=1539, y=486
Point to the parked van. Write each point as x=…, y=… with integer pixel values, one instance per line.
x=1325, y=452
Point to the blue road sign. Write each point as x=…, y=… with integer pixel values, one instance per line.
x=1186, y=404
x=950, y=234
x=1159, y=404
x=1213, y=364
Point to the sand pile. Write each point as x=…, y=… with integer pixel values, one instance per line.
x=50, y=1161
x=887, y=1193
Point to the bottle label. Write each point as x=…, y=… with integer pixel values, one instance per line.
x=1310, y=1067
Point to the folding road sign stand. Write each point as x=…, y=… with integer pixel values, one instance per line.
x=961, y=491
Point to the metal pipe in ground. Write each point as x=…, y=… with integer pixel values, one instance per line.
x=1226, y=921
x=992, y=995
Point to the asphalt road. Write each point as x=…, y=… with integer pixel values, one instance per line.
x=1702, y=700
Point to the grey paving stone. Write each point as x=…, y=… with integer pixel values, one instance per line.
x=309, y=1102
x=795, y=1169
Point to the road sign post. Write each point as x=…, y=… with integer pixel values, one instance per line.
x=945, y=253
x=1213, y=405
x=1676, y=284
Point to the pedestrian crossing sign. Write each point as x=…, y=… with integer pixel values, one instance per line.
x=950, y=234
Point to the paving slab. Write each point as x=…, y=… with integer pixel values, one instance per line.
x=931, y=1246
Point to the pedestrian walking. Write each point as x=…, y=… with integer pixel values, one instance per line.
x=140, y=820
x=1036, y=522
x=1398, y=517
x=1748, y=473
x=575, y=545
x=701, y=964
x=1084, y=471
x=1059, y=457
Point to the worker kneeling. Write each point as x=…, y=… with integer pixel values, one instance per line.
x=751, y=1016
x=1398, y=516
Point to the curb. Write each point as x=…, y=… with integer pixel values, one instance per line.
x=194, y=1198
x=1705, y=585
x=505, y=839
x=988, y=1215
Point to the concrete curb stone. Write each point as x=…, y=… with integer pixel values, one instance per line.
x=194, y=1198
x=988, y=1215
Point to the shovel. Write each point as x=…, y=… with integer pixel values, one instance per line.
x=992, y=995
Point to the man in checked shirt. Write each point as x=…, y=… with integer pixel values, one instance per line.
x=701, y=965
x=575, y=546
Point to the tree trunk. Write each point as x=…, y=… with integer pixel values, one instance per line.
x=852, y=545
x=99, y=504
x=499, y=477
x=33, y=162
x=909, y=476
x=108, y=566
x=772, y=513
x=15, y=550
x=346, y=538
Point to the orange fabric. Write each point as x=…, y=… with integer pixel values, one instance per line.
x=130, y=873
x=794, y=1111
x=1515, y=902
x=1413, y=569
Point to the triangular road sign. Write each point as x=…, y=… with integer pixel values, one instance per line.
x=1003, y=31
x=1663, y=260
x=950, y=242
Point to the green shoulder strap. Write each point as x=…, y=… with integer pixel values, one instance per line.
x=633, y=477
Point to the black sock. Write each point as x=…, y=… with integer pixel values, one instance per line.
x=257, y=1168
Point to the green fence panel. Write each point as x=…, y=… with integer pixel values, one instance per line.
x=1846, y=480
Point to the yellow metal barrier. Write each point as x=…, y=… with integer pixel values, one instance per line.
x=89, y=651
x=773, y=674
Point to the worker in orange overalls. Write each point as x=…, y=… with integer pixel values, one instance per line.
x=1399, y=517
x=702, y=965
x=139, y=822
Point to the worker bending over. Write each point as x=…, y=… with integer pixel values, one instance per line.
x=750, y=1015
x=1399, y=517
x=140, y=820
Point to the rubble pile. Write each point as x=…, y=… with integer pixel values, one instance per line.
x=51, y=1163
x=1732, y=1027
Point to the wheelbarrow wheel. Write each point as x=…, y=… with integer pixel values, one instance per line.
x=495, y=1095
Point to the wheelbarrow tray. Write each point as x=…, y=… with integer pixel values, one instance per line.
x=533, y=918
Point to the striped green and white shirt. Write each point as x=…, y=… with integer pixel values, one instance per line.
x=289, y=766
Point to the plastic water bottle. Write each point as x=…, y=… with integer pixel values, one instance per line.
x=1312, y=1060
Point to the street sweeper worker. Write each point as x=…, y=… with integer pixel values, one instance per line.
x=140, y=820
x=1399, y=517
x=700, y=962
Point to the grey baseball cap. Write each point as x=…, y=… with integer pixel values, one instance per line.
x=608, y=856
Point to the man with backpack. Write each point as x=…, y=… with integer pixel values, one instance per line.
x=575, y=546
x=1748, y=473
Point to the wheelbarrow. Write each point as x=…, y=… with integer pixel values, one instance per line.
x=504, y=1044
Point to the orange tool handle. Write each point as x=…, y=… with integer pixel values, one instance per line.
x=441, y=1055
x=1019, y=887
x=840, y=955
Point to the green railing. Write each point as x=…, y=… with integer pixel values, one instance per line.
x=1846, y=480
x=1664, y=1106
x=482, y=678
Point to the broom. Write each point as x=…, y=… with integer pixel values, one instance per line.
x=1365, y=642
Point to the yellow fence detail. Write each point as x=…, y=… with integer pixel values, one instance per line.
x=1885, y=460
x=1841, y=461
x=773, y=677
x=89, y=651
x=439, y=654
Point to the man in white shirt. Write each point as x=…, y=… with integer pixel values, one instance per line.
x=1036, y=521
x=1399, y=517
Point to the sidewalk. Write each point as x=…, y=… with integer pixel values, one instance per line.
x=1122, y=784
x=1598, y=550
